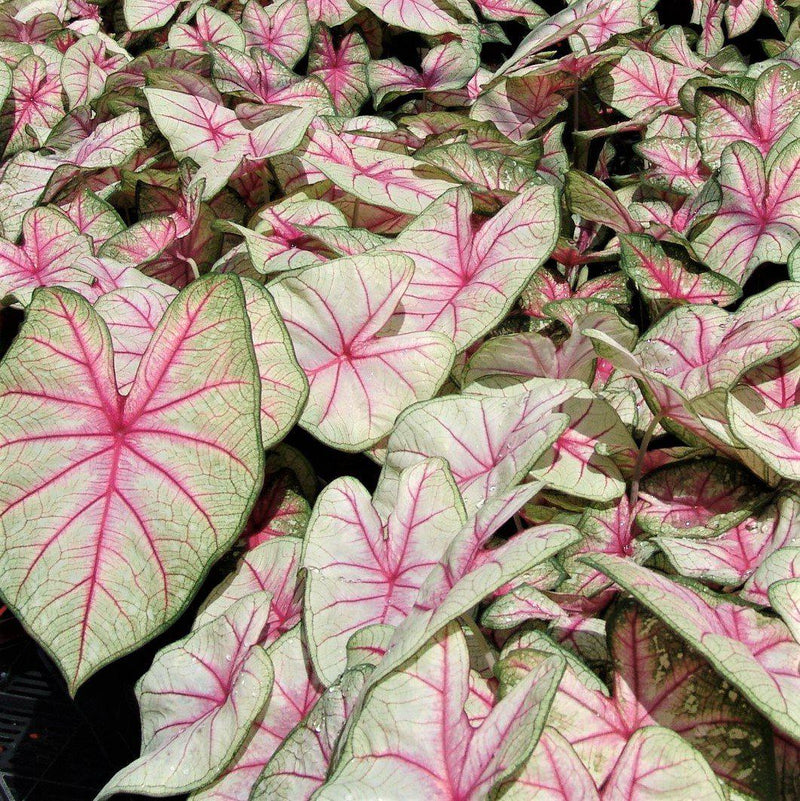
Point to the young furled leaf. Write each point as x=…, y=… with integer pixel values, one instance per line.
x=154, y=486
x=359, y=379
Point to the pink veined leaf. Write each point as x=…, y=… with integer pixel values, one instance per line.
x=732, y=558
x=282, y=29
x=553, y=772
x=132, y=314
x=592, y=456
x=708, y=14
x=200, y=696
x=594, y=201
x=269, y=567
x=142, y=242
x=596, y=20
x=506, y=10
x=93, y=217
x=300, y=765
x=428, y=17
x=359, y=380
x=414, y=734
x=757, y=220
x=342, y=69
x=490, y=442
x=470, y=571
x=294, y=693
x=520, y=105
x=742, y=15
x=665, y=280
x=55, y=253
x=85, y=68
x=640, y=83
x=36, y=105
x=195, y=128
x=725, y=117
x=143, y=15
x=114, y=471
x=365, y=561
x=210, y=26
x=755, y=653
x=699, y=499
x=444, y=68
x=465, y=281
x=656, y=681
x=384, y=178
x=675, y=163
x=658, y=761
x=330, y=12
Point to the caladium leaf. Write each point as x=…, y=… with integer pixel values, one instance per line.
x=365, y=562
x=124, y=488
x=294, y=693
x=754, y=653
x=701, y=498
x=665, y=280
x=469, y=571
x=359, y=380
x=657, y=761
x=675, y=163
x=725, y=117
x=385, y=178
x=85, y=68
x=642, y=83
x=342, y=69
x=441, y=753
x=269, y=567
x=465, y=283
x=199, y=697
x=490, y=443
x=429, y=17
x=300, y=765
x=283, y=28
x=757, y=221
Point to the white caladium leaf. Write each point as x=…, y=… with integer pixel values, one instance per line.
x=666, y=281
x=359, y=379
x=198, y=701
x=385, y=178
x=755, y=653
x=725, y=117
x=641, y=83
x=469, y=571
x=700, y=498
x=300, y=765
x=758, y=220
x=132, y=316
x=413, y=734
x=659, y=762
x=271, y=567
x=293, y=695
x=85, y=68
x=365, y=562
x=465, y=283
x=656, y=681
x=154, y=486
x=675, y=163
x=142, y=15
x=342, y=69
x=490, y=443
x=429, y=17
x=282, y=29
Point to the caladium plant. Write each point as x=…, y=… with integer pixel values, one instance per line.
x=439, y=360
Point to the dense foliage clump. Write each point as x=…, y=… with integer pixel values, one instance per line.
x=534, y=265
